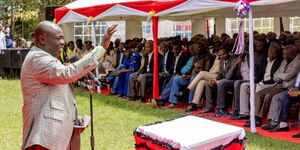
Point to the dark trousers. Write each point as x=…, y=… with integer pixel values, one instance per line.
x=287, y=100
x=223, y=86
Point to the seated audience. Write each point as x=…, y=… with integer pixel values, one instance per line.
x=202, y=62
x=268, y=68
x=284, y=77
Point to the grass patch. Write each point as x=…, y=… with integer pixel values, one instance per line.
x=114, y=121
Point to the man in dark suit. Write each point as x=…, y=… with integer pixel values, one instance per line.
x=147, y=71
x=228, y=72
x=178, y=62
x=165, y=63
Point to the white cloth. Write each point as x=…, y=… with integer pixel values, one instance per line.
x=165, y=61
x=298, y=80
x=245, y=70
x=149, y=61
x=2, y=40
x=176, y=61
x=193, y=133
x=268, y=70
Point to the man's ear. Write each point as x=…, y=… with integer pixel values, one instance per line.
x=41, y=38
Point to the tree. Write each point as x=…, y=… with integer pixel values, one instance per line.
x=24, y=15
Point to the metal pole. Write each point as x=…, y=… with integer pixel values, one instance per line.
x=95, y=44
x=92, y=117
x=252, y=84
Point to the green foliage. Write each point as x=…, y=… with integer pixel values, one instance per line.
x=114, y=121
x=17, y=9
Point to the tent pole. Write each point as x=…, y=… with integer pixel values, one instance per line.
x=252, y=84
x=155, y=49
x=95, y=44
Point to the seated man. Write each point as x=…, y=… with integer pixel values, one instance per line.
x=277, y=103
x=142, y=74
x=165, y=64
x=133, y=84
x=202, y=62
x=180, y=59
x=131, y=64
x=259, y=63
x=290, y=96
x=110, y=60
x=226, y=72
x=273, y=62
x=196, y=87
x=284, y=77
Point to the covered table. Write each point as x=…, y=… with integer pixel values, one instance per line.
x=189, y=133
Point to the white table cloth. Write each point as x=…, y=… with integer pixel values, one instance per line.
x=192, y=133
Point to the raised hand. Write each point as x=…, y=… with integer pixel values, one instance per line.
x=107, y=37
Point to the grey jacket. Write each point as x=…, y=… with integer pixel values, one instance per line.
x=229, y=72
x=288, y=73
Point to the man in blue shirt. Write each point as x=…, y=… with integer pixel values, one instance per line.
x=132, y=62
x=9, y=43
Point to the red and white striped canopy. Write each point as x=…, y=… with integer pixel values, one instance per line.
x=85, y=10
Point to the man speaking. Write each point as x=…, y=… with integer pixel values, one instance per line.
x=49, y=105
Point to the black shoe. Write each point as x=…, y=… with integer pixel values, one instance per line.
x=120, y=95
x=111, y=93
x=219, y=113
x=257, y=123
x=142, y=100
x=178, y=95
x=278, y=129
x=247, y=123
x=205, y=111
x=243, y=117
x=131, y=98
x=234, y=115
x=192, y=107
x=296, y=135
x=103, y=81
x=269, y=126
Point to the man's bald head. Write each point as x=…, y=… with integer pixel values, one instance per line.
x=45, y=28
x=290, y=52
x=49, y=37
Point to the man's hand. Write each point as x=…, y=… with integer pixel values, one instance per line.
x=186, y=77
x=107, y=37
x=212, y=83
x=163, y=74
x=139, y=78
x=294, y=92
x=237, y=62
x=293, y=89
x=81, y=121
x=119, y=72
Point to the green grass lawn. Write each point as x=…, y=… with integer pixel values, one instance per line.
x=114, y=122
